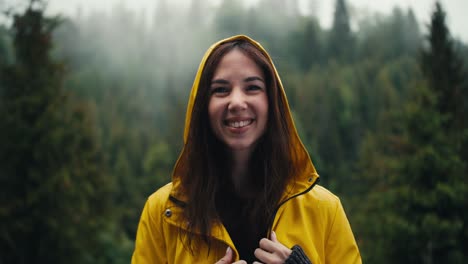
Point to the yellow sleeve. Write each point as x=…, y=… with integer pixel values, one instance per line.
x=341, y=246
x=149, y=244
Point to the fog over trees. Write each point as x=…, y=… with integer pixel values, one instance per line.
x=92, y=109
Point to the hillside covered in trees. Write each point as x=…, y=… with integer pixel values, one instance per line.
x=92, y=111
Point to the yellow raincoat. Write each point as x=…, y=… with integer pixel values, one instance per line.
x=308, y=214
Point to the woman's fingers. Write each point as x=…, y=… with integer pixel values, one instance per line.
x=272, y=251
x=268, y=245
x=227, y=259
x=273, y=237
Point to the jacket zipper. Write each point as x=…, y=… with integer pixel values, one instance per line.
x=283, y=202
x=177, y=201
x=183, y=204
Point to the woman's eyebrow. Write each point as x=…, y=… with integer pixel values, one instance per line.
x=253, y=78
x=220, y=81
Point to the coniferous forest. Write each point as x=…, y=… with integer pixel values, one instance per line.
x=92, y=111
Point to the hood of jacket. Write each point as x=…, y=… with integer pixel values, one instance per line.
x=307, y=174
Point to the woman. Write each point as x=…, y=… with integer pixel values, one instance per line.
x=244, y=188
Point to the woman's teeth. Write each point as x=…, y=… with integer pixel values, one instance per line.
x=239, y=124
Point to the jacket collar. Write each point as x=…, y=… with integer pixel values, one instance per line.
x=218, y=231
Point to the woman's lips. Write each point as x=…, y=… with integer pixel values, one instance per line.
x=239, y=124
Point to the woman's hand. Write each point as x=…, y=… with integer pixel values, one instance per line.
x=271, y=251
x=227, y=259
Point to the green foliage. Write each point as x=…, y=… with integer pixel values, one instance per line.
x=83, y=143
x=418, y=188
x=414, y=169
x=341, y=43
x=54, y=189
x=444, y=70
x=6, y=52
x=307, y=47
x=230, y=18
x=388, y=38
x=342, y=106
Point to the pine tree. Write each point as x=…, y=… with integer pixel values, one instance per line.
x=53, y=189
x=5, y=47
x=417, y=173
x=444, y=70
x=411, y=34
x=229, y=20
x=307, y=48
x=341, y=41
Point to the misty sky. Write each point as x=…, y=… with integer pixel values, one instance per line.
x=457, y=20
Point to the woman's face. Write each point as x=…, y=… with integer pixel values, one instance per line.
x=238, y=104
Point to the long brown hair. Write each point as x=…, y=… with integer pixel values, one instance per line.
x=204, y=164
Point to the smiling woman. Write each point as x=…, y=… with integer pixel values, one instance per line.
x=243, y=178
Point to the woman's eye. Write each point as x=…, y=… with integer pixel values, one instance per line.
x=219, y=90
x=253, y=88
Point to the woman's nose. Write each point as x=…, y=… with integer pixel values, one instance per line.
x=237, y=101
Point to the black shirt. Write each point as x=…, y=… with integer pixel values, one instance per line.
x=235, y=214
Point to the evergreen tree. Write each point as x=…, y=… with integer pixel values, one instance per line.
x=5, y=47
x=404, y=33
x=306, y=48
x=53, y=189
x=411, y=34
x=444, y=70
x=389, y=38
x=417, y=176
x=229, y=20
x=341, y=41
x=417, y=190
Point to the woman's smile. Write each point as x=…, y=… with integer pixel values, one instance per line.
x=240, y=127
x=239, y=124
